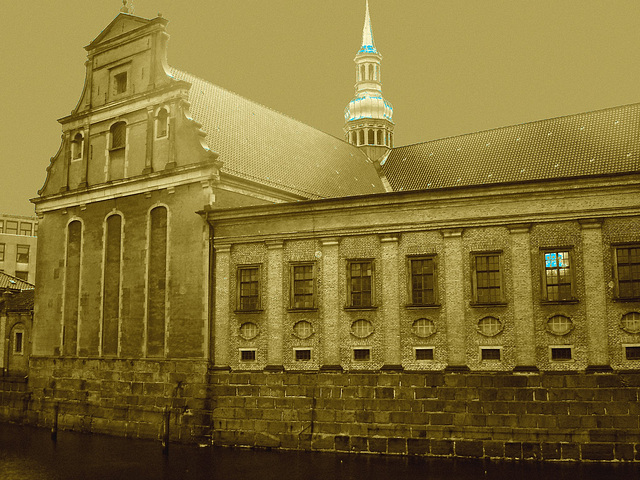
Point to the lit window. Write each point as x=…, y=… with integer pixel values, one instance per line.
x=423, y=281
x=18, y=339
x=302, y=355
x=25, y=228
x=2, y=252
x=423, y=327
x=248, y=330
x=631, y=322
x=360, y=284
x=557, y=278
x=76, y=146
x=632, y=352
x=487, y=278
x=561, y=354
x=489, y=326
x=248, y=288
x=424, y=353
x=490, y=353
x=362, y=354
x=11, y=227
x=303, y=329
x=628, y=272
x=247, y=355
x=302, y=286
x=22, y=275
x=120, y=81
x=118, y=135
x=559, y=325
x=362, y=328
x=162, y=123
x=22, y=254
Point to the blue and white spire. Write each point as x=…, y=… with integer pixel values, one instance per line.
x=369, y=117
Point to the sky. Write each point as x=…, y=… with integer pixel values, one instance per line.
x=449, y=66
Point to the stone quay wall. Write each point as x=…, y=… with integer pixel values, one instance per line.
x=536, y=416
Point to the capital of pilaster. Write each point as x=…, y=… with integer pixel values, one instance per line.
x=276, y=244
x=452, y=232
x=224, y=248
x=389, y=238
x=590, y=223
x=519, y=228
x=330, y=242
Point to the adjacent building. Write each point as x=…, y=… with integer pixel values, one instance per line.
x=16, y=318
x=18, y=245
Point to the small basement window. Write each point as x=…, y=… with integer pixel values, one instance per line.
x=561, y=354
x=247, y=355
x=490, y=354
x=632, y=352
x=362, y=354
x=424, y=353
x=302, y=355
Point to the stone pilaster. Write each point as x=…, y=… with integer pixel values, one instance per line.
x=391, y=303
x=221, y=322
x=454, y=291
x=275, y=305
x=523, y=298
x=595, y=294
x=330, y=305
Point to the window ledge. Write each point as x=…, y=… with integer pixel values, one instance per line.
x=249, y=311
x=559, y=302
x=310, y=309
x=488, y=305
x=116, y=149
x=626, y=299
x=412, y=306
x=361, y=308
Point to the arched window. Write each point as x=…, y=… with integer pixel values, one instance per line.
x=111, y=289
x=76, y=146
x=118, y=135
x=369, y=72
x=157, y=282
x=352, y=137
x=72, y=288
x=360, y=137
x=371, y=140
x=380, y=137
x=162, y=123
x=361, y=73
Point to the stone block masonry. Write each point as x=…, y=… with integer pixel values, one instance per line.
x=537, y=416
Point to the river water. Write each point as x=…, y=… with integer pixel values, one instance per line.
x=28, y=453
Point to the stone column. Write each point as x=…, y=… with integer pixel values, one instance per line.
x=523, y=298
x=454, y=292
x=595, y=294
x=222, y=263
x=330, y=305
x=391, y=303
x=275, y=305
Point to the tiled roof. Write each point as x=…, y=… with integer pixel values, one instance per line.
x=260, y=144
x=18, y=301
x=13, y=283
x=592, y=143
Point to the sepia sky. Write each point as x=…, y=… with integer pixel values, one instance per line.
x=449, y=66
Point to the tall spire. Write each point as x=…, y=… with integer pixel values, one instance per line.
x=367, y=34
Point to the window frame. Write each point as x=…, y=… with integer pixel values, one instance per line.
x=158, y=123
x=625, y=346
x=1, y=225
x=302, y=349
x=243, y=350
x=18, y=330
x=421, y=347
x=239, y=269
x=22, y=273
x=616, y=274
x=561, y=360
x=484, y=348
x=6, y=227
x=18, y=247
x=361, y=360
x=474, y=278
x=3, y=248
x=292, y=285
x=30, y=224
x=111, y=136
x=544, y=295
x=350, y=292
x=77, y=146
x=410, y=289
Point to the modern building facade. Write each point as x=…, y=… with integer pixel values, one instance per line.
x=18, y=246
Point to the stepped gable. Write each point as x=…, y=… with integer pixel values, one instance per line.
x=592, y=143
x=265, y=146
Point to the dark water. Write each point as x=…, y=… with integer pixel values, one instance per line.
x=29, y=453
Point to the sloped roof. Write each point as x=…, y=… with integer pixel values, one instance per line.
x=13, y=283
x=18, y=300
x=260, y=144
x=592, y=143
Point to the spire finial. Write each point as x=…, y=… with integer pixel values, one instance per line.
x=367, y=33
x=127, y=8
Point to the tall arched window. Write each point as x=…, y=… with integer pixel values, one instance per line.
x=72, y=288
x=111, y=291
x=361, y=73
x=379, y=142
x=360, y=137
x=162, y=123
x=352, y=137
x=118, y=135
x=157, y=282
x=76, y=146
x=369, y=72
x=371, y=140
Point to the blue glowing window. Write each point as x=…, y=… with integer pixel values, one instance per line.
x=557, y=276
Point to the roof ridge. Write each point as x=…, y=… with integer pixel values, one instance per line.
x=517, y=125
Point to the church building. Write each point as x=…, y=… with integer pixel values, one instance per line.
x=186, y=232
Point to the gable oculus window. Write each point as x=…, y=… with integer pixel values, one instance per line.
x=360, y=283
x=487, y=278
x=423, y=281
x=561, y=353
x=423, y=328
x=630, y=322
x=303, y=295
x=557, y=276
x=22, y=254
x=559, y=325
x=303, y=329
x=423, y=353
x=490, y=353
x=162, y=123
x=249, y=330
x=361, y=354
x=489, y=326
x=247, y=355
x=627, y=272
x=248, y=289
x=361, y=328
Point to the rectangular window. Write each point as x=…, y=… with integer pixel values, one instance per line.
x=423, y=281
x=487, y=278
x=632, y=352
x=120, y=82
x=25, y=228
x=249, y=288
x=360, y=283
x=490, y=353
x=11, y=227
x=302, y=355
x=627, y=267
x=2, y=252
x=362, y=354
x=248, y=355
x=424, y=353
x=22, y=254
x=22, y=276
x=1, y=226
x=561, y=354
x=17, y=345
x=557, y=281
x=303, y=286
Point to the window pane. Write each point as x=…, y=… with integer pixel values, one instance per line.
x=558, y=276
x=11, y=227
